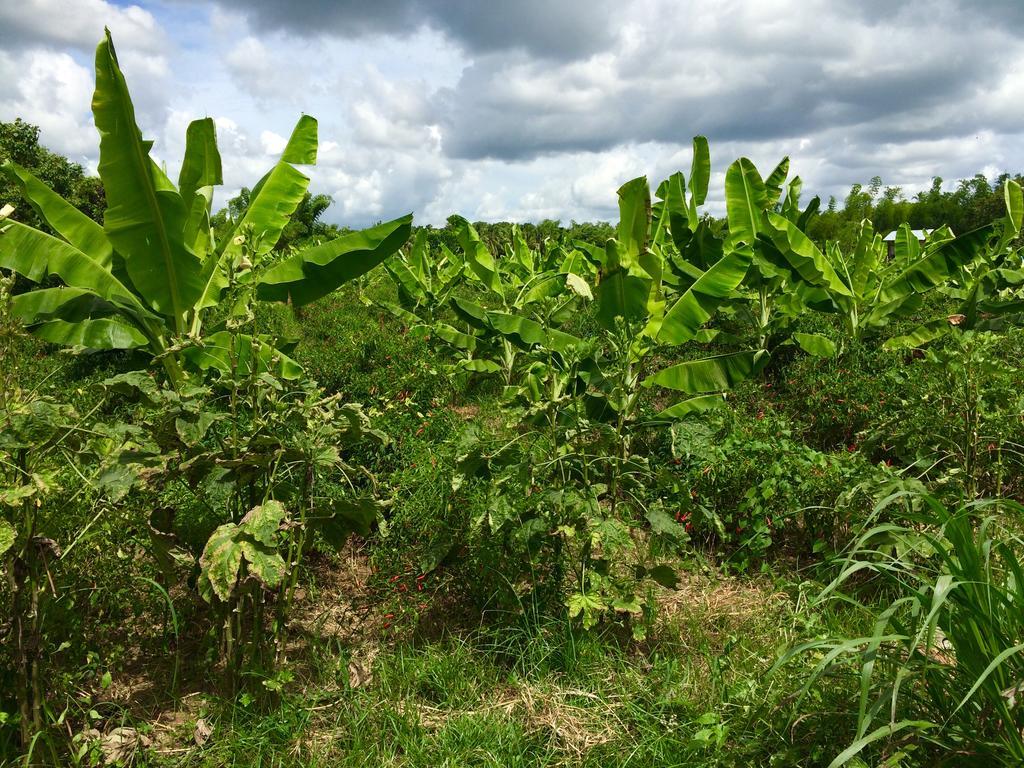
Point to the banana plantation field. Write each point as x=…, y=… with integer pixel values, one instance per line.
x=677, y=491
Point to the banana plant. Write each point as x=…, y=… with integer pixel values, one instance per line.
x=878, y=290
x=559, y=490
x=424, y=284
x=768, y=299
x=690, y=242
x=152, y=275
x=527, y=297
x=982, y=270
x=632, y=300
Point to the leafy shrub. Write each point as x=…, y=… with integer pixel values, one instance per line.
x=961, y=419
x=835, y=402
x=748, y=485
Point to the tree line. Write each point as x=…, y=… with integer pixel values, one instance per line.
x=970, y=204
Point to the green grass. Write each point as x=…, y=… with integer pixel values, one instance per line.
x=536, y=691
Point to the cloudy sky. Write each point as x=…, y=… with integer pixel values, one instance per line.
x=534, y=109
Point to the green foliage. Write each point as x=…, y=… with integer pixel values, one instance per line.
x=942, y=664
x=964, y=432
x=749, y=486
x=151, y=274
x=539, y=568
x=267, y=458
x=49, y=459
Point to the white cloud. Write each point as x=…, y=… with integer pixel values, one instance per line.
x=531, y=110
x=77, y=23
x=52, y=91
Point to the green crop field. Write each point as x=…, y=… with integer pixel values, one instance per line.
x=678, y=490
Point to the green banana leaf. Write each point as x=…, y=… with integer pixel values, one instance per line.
x=711, y=374
x=96, y=333
x=61, y=303
x=745, y=201
x=773, y=184
x=1014, y=199
x=803, y=255
x=621, y=294
x=201, y=166
x=478, y=365
x=302, y=145
x=319, y=270
x=145, y=216
x=69, y=222
x=698, y=404
x=700, y=176
x=252, y=355
x=456, y=338
x=919, y=336
x=634, y=217
x=695, y=307
x=815, y=344
x=271, y=209
x=35, y=255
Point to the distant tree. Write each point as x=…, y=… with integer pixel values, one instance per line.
x=596, y=232
x=19, y=143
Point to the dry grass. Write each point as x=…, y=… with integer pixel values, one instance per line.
x=732, y=599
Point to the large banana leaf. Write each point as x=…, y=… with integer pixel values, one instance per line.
x=697, y=404
x=301, y=149
x=522, y=330
x=96, y=333
x=700, y=172
x=803, y=255
x=866, y=257
x=319, y=270
x=712, y=374
x=621, y=294
x=35, y=255
x=815, y=344
x=937, y=266
x=201, y=166
x=1014, y=199
x=908, y=248
x=406, y=280
x=145, y=216
x=791, y=204
x=634, y=217
x=480, y=260
x=471, y=313
x=69, y=222
x=919, y=336
x=773, y=184
x=745, y=201
x=271, y=209
x=419, y=259
x=248, y=354
x=527, y=333
x=302, y=145
x=454, y=337
x=695, y=307
x=57, y=304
